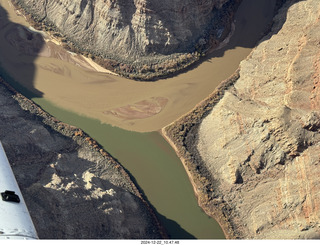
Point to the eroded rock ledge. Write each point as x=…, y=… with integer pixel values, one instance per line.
x=255, y=163
x=72, y=187
x=140, y=39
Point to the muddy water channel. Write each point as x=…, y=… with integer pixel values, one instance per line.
x=67, y=86
x=155, y=168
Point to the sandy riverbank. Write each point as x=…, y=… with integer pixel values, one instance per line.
x=140, y=105
x=144, y=106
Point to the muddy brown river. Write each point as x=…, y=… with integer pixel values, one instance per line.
x=123, y=115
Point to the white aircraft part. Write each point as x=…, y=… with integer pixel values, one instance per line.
x=15, y=220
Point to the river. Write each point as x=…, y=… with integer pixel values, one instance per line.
x=89, y=99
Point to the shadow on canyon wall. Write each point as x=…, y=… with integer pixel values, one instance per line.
x=253, y=22
x=19, y=47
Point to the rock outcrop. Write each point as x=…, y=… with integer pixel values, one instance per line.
x=257, y=149
x=140, y=35
x=73, y=188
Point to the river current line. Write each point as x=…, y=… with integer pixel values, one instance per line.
x=147, y=156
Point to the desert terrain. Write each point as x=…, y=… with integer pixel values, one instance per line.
x=252, y=147
x=73, y=189
x=70, y=81
x=257, y=130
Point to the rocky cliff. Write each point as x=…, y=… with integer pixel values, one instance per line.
x=256, y=160
x=73, y=188
x=140, y=36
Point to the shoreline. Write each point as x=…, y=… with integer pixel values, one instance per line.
x=50, y=37
x=81, y=138
x=98, y=88
x=202, y=199
x=197, y=180
x=224, y=225
x=176, y=134
x=179, y=62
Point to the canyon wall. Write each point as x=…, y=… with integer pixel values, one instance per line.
x=261, y=142
x=255, y=163
x=73, y=188
x=137, y=33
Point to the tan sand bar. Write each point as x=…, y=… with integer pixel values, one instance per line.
x=70, y=81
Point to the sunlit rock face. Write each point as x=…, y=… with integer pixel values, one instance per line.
x=130, y=29
x=261, y=142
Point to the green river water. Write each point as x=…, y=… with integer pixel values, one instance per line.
x=156, y=169
x=150, y=159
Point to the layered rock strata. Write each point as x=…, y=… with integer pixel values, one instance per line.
x=72, y=187
x=255, y=163
x=145, y=37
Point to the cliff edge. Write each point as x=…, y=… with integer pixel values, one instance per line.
x=137, y=38
x=252, y=148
